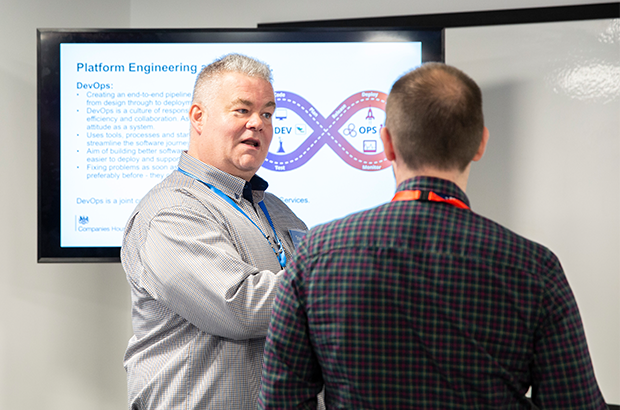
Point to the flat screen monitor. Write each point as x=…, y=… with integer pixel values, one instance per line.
x=113, y=121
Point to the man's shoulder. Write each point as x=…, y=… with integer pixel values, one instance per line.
x=439, y=228
x=281, y=212
x=352, y=230
x=496, y=237
x=176, y=191
x=168, y=191
x=380, y=216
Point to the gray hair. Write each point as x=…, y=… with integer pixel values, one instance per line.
x=230, y=63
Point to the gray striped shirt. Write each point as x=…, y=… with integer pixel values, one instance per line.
x=202, y=280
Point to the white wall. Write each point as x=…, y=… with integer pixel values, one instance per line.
x=551, y=172
x=247, y=13
x=64, y=327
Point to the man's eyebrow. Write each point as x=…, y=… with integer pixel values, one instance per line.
x=250, y=104
x=241, y=101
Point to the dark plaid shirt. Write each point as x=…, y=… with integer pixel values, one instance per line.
x=421, y=305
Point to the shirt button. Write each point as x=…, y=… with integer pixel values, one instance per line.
x=236, y=196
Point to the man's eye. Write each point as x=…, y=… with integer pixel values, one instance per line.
x=268, y=115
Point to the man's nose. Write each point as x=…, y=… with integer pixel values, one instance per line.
x=255, y=122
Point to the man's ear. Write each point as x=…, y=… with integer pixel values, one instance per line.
x=388, y=144
x=483, y=145
x=196, y=117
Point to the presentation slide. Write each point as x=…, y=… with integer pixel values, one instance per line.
x=124, y=124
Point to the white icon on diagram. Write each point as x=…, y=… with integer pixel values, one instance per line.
x=350, y=131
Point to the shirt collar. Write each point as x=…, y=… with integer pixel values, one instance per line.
x=232, y=186
x=439, y=186
x=256, y=184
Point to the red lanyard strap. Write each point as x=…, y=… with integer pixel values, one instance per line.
x=419, y=195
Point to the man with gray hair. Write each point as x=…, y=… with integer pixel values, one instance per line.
x=204, y=251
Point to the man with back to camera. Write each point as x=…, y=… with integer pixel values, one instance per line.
x=421, y=303
x=204, y=251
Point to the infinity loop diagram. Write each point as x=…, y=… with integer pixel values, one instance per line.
x=351, y=131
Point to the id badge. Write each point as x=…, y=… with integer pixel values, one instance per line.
x=296, y=236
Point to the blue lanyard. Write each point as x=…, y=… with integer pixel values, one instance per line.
x=280, y=251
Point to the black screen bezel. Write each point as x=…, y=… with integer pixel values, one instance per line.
x=48, y=102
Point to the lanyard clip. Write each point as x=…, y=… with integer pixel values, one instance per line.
x=281, y=256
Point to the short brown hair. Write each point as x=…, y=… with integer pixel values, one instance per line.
x=434, y=114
